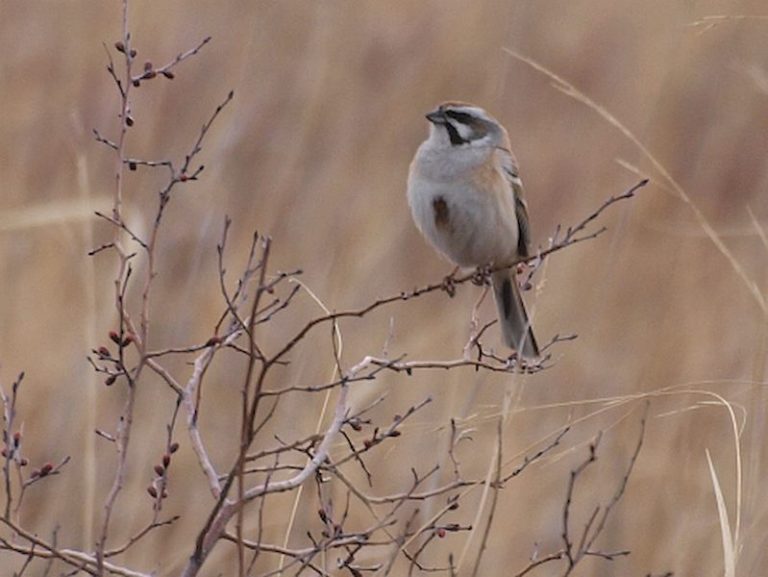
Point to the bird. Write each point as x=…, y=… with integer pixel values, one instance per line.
x=466, y=198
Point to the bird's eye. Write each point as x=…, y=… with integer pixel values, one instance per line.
x=462, y=117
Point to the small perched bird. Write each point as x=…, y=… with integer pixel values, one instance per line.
x=466, y=198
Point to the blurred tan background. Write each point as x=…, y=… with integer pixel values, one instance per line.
x=314, y=151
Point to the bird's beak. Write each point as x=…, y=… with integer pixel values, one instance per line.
x=437, y=116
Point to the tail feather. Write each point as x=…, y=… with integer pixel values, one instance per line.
x=515, y=326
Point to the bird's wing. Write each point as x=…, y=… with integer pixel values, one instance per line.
x=509, y=167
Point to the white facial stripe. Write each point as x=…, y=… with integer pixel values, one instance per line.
x=464, y=130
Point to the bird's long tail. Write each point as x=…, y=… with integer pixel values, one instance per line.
x=515, y=326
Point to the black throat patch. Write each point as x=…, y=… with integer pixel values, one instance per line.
x=453, y=134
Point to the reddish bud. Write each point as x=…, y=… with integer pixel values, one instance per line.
x=103, y=351
x=132, y=165
x=213, y=341
x=356, y=425
x=440, y=532
x=453, y=506
x=115, y=337
x=17, y=438
x=24, y=462
x=395, y=434
x=168, y=74
x=368, y=443
x=136, y=83
x=110, y=380
x=132, y=53
x=47, y=468
x=152, y=492
x=160, y=470
x=129, y=338
x=147, y=66
x=183, y=177
x=166, y=460
x=174, y=447
x=397, y=418
x=4, y=453
x=120, y=47
x=150, y=74
x=34, y=474
x=323, y=516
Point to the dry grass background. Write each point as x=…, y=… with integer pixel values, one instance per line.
x=314, y=152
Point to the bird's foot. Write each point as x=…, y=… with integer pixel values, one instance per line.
x=449, y=283
x=482, y=276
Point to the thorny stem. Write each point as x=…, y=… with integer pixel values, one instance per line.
x=9, y=417
x=126, y=419
x=216, y=526
x=124, y=85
